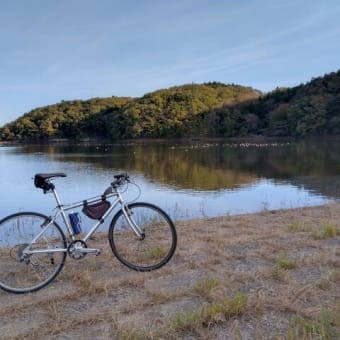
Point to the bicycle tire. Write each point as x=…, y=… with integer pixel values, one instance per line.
x=159, y=242
x=24, y=274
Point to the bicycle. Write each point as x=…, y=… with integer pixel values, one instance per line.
x=33, y=247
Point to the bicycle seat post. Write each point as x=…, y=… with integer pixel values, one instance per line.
x=44, y=181
x=56, y=196
x=61, y=210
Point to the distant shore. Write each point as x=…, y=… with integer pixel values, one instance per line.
x=254, y=139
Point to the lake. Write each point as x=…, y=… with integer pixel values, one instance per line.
x=187, y=179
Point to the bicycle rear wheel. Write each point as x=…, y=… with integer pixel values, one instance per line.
x=21, y=272
x=159, y=240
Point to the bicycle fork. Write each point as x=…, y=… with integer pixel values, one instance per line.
x=129, y=217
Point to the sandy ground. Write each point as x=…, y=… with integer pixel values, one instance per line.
x=271, y=275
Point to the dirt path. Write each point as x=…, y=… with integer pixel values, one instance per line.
x=271, y=275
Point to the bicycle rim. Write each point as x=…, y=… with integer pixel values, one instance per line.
x=156, y=247
x=21, y=273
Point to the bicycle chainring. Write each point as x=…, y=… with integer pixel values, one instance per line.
x=74, y=247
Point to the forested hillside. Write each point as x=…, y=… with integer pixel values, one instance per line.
x=310, y=109
x=210, y=109
x=68, y=119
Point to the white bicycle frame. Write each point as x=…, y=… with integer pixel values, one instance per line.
x=62, y=209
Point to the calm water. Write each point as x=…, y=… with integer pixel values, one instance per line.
x=187, y=180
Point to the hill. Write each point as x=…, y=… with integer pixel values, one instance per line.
x=210, y=109
x=174, y=112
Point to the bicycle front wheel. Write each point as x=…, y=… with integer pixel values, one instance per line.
x=151, y=251
x=26, y=267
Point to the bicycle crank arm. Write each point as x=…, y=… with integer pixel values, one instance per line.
x=88, y=251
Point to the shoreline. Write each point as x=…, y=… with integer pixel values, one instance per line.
x=273, y=274
x=148, y=141
x=251, y=139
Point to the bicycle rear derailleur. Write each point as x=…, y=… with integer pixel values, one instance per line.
x=78, y=249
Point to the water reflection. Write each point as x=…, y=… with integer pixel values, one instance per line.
x=218, y=177
x=191, y=167
x=210, y=166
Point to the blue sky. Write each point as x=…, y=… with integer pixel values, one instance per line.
x=78, y=49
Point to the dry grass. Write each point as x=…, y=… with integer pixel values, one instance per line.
x=272, y=275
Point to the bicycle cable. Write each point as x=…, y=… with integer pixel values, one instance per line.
x=139, y=191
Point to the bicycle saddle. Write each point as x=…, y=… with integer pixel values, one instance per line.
x=51, y=175
x=40, y=180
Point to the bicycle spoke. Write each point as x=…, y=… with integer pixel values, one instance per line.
x=21, y=272
x=157, y=245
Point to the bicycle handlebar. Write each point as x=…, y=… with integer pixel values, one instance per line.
x=120, y=180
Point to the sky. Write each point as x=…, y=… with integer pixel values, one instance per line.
x=79, y=49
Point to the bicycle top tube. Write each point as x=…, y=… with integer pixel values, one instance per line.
x=43, y=181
